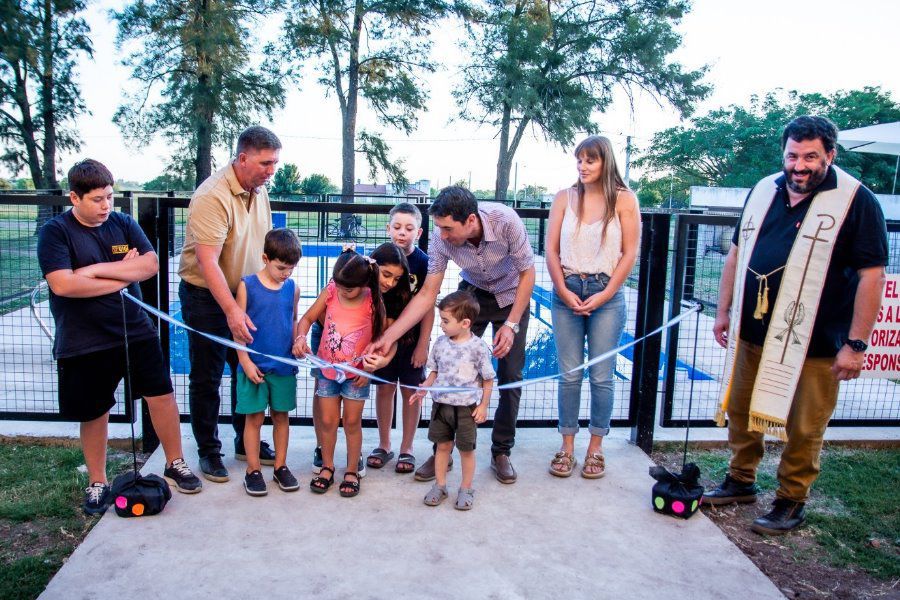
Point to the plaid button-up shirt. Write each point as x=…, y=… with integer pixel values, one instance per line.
x=495, y=263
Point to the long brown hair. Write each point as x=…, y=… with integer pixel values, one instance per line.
x=611, y=183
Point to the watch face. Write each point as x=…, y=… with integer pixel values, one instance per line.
x=857, y=345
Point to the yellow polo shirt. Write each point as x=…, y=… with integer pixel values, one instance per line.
x=222, y=213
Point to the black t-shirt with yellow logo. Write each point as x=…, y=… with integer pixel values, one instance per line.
x=85, y=325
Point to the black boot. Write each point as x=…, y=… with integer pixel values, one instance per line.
x=731, y=491
x=786, y=516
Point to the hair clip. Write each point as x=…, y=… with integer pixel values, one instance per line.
x=349, y=247
x=370, y=259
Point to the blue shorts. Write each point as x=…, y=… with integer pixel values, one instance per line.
x=328, y=388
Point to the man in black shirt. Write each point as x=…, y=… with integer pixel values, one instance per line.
x=87, y=255
x=837, y=322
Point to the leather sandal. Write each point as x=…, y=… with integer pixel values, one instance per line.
x=321, y=484
x=595, y=461
x=348, y=489
x=562, y=464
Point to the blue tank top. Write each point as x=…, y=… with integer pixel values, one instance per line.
x=272, y=311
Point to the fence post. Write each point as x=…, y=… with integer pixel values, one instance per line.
x=650, y=309
x=148, y=210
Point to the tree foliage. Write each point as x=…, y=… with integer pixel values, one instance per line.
x=286, y=180
x=40, y=42
x=736, y=146
x=192, y=61
x=551, y=65
x=370, y=48
x=317, y=184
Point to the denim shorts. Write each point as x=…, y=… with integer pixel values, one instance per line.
x=329, y=388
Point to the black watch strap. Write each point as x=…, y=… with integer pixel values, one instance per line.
x=857, y=345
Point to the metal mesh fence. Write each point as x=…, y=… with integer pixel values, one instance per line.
x=320, y=230
x=28, y=382
x=702, y=243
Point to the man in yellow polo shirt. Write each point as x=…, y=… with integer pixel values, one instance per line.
x=228, y=219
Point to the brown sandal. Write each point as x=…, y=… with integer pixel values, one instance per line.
x=595, y=461
x=562, y=464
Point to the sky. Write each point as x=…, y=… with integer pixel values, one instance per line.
x=749, y=47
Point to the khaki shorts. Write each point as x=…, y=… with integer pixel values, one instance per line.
x=453, y=423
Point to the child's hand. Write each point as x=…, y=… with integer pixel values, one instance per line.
x=300, y=348
x=373, y=362
x=480, y=413
x=417, y=397
x=359, y=381
x=252, y=372
x=133, y=253
x=419, y=357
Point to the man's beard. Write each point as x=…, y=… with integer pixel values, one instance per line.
x=815, y=177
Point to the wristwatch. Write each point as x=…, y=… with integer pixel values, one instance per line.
x=857, y=345
x=513, y=326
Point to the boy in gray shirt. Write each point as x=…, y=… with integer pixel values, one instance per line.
x=458, y=359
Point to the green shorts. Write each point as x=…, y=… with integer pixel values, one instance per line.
x=277, y=391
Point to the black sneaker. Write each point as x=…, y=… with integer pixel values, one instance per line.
x=285, y=479
x=266, y=454
x=213, y=469
x=317, y=460
x=96, y=499
x=254, y=484
x=731, y=491
x=181, y=476
x=785, y=517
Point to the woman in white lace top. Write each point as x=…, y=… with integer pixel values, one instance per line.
x=592, y=243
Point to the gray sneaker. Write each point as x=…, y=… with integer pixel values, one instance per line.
x=181, y=476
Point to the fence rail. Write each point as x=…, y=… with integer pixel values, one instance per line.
x=680, y=260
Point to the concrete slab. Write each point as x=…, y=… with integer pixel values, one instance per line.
x=543, y=537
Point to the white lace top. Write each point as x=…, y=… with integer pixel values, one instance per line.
x=587, y=250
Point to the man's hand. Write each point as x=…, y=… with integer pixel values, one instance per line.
x=380, y=346
x=252, y=371
x=847, y=364
x=240, y=325
x=720, y=328
x=480, y=413
x=503, y=341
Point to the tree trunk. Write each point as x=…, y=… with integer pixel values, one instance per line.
x=507, y=153
x=48, y=112
x=348, y=148
x=203, y=104
x=28, y=130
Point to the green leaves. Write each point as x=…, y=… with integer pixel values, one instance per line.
x=552, y=65
x=197, y=86
x=736, y=146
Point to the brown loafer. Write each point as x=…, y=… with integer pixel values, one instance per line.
x=426, y=471
x=503, y=469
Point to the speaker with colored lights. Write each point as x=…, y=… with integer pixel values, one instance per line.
x=136, y=495
x=679, y=494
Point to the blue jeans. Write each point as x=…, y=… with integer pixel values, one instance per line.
x=602, y=328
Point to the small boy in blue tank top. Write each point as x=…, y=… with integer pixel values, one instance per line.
x=269, y=298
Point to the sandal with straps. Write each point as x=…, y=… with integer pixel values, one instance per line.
x=562, y=464
x=595, y=461
x=436, y=495
x=348, y=489
x=465, y=499
x=321, y=484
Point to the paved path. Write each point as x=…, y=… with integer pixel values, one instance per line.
x=543, y=537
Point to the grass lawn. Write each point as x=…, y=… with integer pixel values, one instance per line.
x=854, y=513
x=41, y=523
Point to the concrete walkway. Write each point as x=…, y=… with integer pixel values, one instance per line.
x=543, y=537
